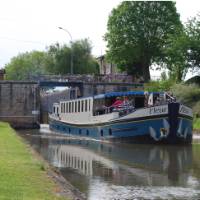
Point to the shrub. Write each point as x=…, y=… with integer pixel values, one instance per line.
x=156, y=86
x=187, y=94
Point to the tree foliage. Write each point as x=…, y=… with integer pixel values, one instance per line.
x=193, y=32
x=56, y=60
x=176, y=55
x=25, y=65
x=59, y=58
x=137, y=34
x=182, y=51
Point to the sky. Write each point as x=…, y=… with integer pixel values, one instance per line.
x=27, y=25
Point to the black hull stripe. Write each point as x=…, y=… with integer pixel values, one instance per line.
x=185, y=116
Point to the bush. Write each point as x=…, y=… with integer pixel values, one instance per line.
x=157, y=86
x=187, y=94
x=196, y=124
x=196, y=109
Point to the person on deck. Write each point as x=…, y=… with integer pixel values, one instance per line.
x=118, y=102
x=126, y=102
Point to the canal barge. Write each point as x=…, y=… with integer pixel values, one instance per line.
x=142, y=117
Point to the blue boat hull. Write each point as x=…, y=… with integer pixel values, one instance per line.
x=134, y=130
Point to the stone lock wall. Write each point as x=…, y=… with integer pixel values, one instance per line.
x=20, y=104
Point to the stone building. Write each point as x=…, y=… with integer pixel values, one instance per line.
x=106, y=67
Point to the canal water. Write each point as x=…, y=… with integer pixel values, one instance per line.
x=105, y=171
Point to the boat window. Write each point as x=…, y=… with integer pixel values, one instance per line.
x=99, y=107
x=57, y=110
x=86, y=105
x=69, y=107
x=139, y=102
x=82, y=104
x=54, y=109
x=75, y=106
x=89, y=105
x=66, y=107
x=61, y=107
x=79, y=106
x=72, y=107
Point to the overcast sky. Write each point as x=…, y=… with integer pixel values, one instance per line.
x=27, y=25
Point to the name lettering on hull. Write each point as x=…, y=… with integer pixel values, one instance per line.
x=185, y=111
x=158, y=110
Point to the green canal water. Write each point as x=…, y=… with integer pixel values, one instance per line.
x=106, y=171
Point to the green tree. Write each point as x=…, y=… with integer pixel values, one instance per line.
x=59, y=57
x=176, y=55
x=25, y=65
x=182, y=50
x=193, y=32
x=55, y=61
x=137, y=34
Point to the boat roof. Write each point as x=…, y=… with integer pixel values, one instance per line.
x=127, y=93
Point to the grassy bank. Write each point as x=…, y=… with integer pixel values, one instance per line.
x=22, y=176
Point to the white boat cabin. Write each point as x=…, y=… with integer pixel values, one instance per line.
x=98, y=109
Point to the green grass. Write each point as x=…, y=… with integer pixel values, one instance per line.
x=196, y=124
x=22, y=176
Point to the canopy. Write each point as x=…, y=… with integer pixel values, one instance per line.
x=127, y=93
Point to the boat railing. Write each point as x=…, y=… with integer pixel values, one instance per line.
x=123, y=109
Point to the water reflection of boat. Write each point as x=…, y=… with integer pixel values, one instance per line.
x=145, y=164
x=121, y=171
